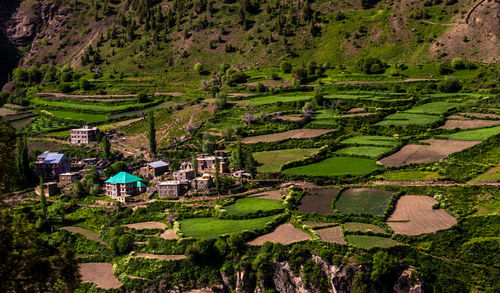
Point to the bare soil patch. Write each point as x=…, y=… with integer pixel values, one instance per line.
x=284, y=234
x=161, y=256
x=363, y=227
x=414, y=216
x=240, y=95
x=147, y=225
x=318, y=201
x=273, y=194
x=5, y=112
x=15, y=106
x=482, y=115
x=315, y=224
x=468, y=124
x=333, y=235
x=358, y=114
x=356, y=110
x=169, y=235
x=437, y=149
x=99, y=273
x=89, y=234
x=291, y=134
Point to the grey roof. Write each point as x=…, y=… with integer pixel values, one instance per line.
x=158, y=164
x=51, y=158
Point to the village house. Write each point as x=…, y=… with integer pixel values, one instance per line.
x=49, y=189
x=173, y=188
x=206, y=164
x=123, y=185
x=203, y=183
x=50, y=165
x=157, y=168
x=180, y=175
x=86, y=134
x=68, y=178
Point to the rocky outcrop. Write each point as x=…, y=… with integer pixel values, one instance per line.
x=409, y=282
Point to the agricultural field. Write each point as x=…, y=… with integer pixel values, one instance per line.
x=271, y=161
x=333, y=235
x=414, y=215
x=431, y=150
x=363, y=227
x=469, y=124
x=318, y=201
x=284, y=234
x=474, y=135
x=212, y=227
x=410, y=176
x=44, y=124
x=435, y=108
x=166, y=257
x=364, y=151
x=99, y=273
x=363, y=201
x=252, y=205
x=87, y=117
x=405, y=119
x=369, y=242
x=336, y=166
x=146, y=225
x=89, y=234
x=279, y=98
x=386, y=141
x=272, y=194
x=291, y=134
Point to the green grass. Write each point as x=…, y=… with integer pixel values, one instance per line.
x=336, y=166
x=323, y=114
x=370, y=201
x=405, y=119
x=435, y=108
x=366, y=151
x=212, y=227
x=491, y=175
x=476, y=134
x=279, y=98
x=273, y=160
x=372, y=140
x=44, y=124
x=252, y=205
x=369, y=242
x=411, y=176
x=90, y=118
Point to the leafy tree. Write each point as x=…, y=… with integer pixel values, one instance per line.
x=66, y=77
x=65, y=88
x=152, y=133
x=7, y=158
x=237, y=159
x=445, y=68
x=208, y=146
x=77, y=189
x=115, y=168
x=319, y=99
x=285, y=67
x=125, y=243
x=300, y=74
x=142, y=98
x=450, y=85
x=235, y=241
x=250, y=164
x=359, y=283
x=457, y=63
x=383, y=265
x=29, y=263
x=221, y=100
x=85, y=85
x=371, y=65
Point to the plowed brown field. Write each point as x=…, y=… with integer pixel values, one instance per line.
x=333, y=235
x=437, y=150
x=146, y=225
x=291, y=134
x=284, y=234
x=414, y=216
x=99, y=273
x=468, y=124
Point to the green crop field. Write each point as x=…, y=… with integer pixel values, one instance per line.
x=405, y=119
x=323, y=114
x=279, y=98
x=273, y=160
x=372, y=140
x=436, y=108
x=212, y=227
x=369, y=242
x=411, y=176
x=94, y=107
x=367, y=151
x=90, y=118
x=253, y=204
x=44, y=124
x=363, y=201
x=336, y=166
x=476, y=134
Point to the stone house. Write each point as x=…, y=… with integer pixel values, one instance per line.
x=157, y=168
x=180, y=175
x=173, y=188
x=124, y=184
x=203, y=183
x=50, y=165
x=206, y=164
x=49, y=189
x=68, y=178
x=85, y=134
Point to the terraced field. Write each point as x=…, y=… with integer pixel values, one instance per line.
x=474, y=135
x=336, y=166
x=364, y=151
x=279, y=98
x=369, y=242
x=363, y=201
x=318, y=201
x=374, y=140
x=271, y=161
x=284, y=234
x=212, y=228
x=291, y=134
x=252, y=205
x=405, y=119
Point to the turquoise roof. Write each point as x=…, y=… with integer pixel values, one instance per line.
x=140, y=184
x=122, y=178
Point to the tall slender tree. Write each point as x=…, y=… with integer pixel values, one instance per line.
x=43, y=200
x=152, y=133
x=106, y=147
x=194, y=164
x=22, y=161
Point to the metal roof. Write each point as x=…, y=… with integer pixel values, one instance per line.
x=157, y=164
x=122, y=178
x=51, y=157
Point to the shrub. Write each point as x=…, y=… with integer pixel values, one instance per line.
x=85, y=85
x=142, y=98
x=450, y=85
x=445, y=69
x=198, y=68
x=66, y=76
x=285, y=67
x=65, y=88
x=457, y=63
x=371, y=65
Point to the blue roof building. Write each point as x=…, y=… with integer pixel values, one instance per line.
x=50, y=165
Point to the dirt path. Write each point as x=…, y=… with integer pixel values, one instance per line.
x=161, y=256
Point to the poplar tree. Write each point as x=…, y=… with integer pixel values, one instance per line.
x=106, y=147
x=43, y=200
x=22, y=160
x=152, y=134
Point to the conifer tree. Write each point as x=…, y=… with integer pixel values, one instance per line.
x=22, y=161
x=152, y=134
